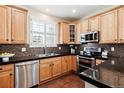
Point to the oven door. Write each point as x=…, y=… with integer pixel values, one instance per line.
x=85, y=63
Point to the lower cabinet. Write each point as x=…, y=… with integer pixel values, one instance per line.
x=52, y=67
x=49, y=68
x=69, y=63
x=7, y=76
x=66, y=64
x=74, y=63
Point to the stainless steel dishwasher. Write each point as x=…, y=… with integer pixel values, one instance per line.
x=27, y=74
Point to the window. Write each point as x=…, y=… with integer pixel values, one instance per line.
x=51, y=35
x=42, y=34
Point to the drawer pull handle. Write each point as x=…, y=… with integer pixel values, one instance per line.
x=0, y=68
x=10, y=74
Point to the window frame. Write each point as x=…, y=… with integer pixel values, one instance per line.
x=55, y=35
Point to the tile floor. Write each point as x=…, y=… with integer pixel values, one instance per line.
x=68, y=81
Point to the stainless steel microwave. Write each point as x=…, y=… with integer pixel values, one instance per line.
x=89, y=37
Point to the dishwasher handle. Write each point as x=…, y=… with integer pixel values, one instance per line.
x=26, y=63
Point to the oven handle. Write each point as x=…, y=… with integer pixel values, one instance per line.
x=85, y=67
x=86, y=58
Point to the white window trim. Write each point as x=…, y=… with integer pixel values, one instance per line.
x=45, y=33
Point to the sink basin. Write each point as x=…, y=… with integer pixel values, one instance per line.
x=48, y=54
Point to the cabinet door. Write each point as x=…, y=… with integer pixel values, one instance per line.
x=85, y=26
x=45, y=70
x=64, y=65
x=78, y=30
x=74, y=63
x=6, y=79
x=94, y=24
x=56, y=68
x=19, y=26
x=69, y=62
x=64, y=33
x=121, y=25
x=108, y=27
x=5, y=24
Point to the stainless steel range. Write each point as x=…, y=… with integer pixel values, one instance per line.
x=86, y=58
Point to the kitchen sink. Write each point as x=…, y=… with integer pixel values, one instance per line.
x=48, y=54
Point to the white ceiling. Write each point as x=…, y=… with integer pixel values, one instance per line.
x=65, y=11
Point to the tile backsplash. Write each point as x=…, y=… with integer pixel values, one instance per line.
x=119, y=48
x=33, y=51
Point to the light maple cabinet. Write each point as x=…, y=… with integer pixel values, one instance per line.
x=94, y=23
x=121, y=25
x=69, y=63
x=49, y=68
x=5, y=24
x=85, y=26
x=64, y=33
x=56, y=67
x=45, y=70
x=79, y=29
x=74, y=63
x=19, y=26
x=66, y=64
x=13, y=25
x=108, y=27
x=7, y=76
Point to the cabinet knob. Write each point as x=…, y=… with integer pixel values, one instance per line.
x=0, y=68
x=12, y=39
x=10, y=74
x=7, y=39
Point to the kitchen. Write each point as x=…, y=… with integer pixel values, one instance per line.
x=39, y=44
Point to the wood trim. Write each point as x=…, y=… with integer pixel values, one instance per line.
x=17, y=7
x=107, y=11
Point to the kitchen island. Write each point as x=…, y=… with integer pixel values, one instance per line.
x=109, y=74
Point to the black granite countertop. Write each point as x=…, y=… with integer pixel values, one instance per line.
x=13, y=60
x=108, y=74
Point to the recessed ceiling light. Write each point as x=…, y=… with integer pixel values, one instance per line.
x=74, y=11
x=47, y=10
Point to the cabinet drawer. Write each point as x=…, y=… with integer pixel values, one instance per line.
x=6, y=67
x=50, y=59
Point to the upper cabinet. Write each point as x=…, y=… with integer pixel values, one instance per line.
x=13, y=25
x=5, y=24
x=108, y=27
x=19, y=26
x=121, y=25
x=68, y=33
x=94, y=23
x=85, y=26
x=64, y=33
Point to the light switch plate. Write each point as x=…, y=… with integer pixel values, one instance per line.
x=23, y=49
x=59, y=48
x=112, y=49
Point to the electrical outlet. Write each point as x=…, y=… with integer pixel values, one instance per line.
x=60, y=48
x=23, y=49
x=76, y=47
x=112, y=49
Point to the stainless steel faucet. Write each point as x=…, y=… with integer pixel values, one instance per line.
x=45, y=50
